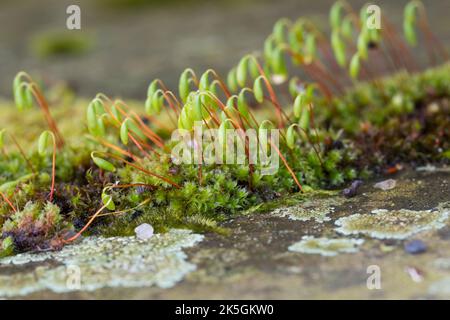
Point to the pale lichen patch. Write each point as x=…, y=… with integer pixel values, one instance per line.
x=317, y=209
x=326, y=246
x=393, y=224
x=104, y=262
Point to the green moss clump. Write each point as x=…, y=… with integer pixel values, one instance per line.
x=325, y=246
x=6, y=247
x=393, y=224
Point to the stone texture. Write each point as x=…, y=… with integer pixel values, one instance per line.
x=253, y=261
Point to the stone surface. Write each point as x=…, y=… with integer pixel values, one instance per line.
x=315, y=209
x=253, y=261
x=393, y=224
x=144, y=231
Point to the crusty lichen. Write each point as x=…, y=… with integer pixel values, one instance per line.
x=393, y=224
x=326, y=246
x=104, y=262
x=317, y=209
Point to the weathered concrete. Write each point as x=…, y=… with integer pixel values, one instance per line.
x=254, y=261
x=165, y=39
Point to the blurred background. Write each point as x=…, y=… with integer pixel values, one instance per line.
x=124, y=44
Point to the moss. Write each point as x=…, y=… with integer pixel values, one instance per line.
x=225, y=191
x=317, y=209
x=325, y=246
x=104, y=262
x=364, y=130
x=393, y=224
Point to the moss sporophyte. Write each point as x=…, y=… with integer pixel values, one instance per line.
x=342, y=108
